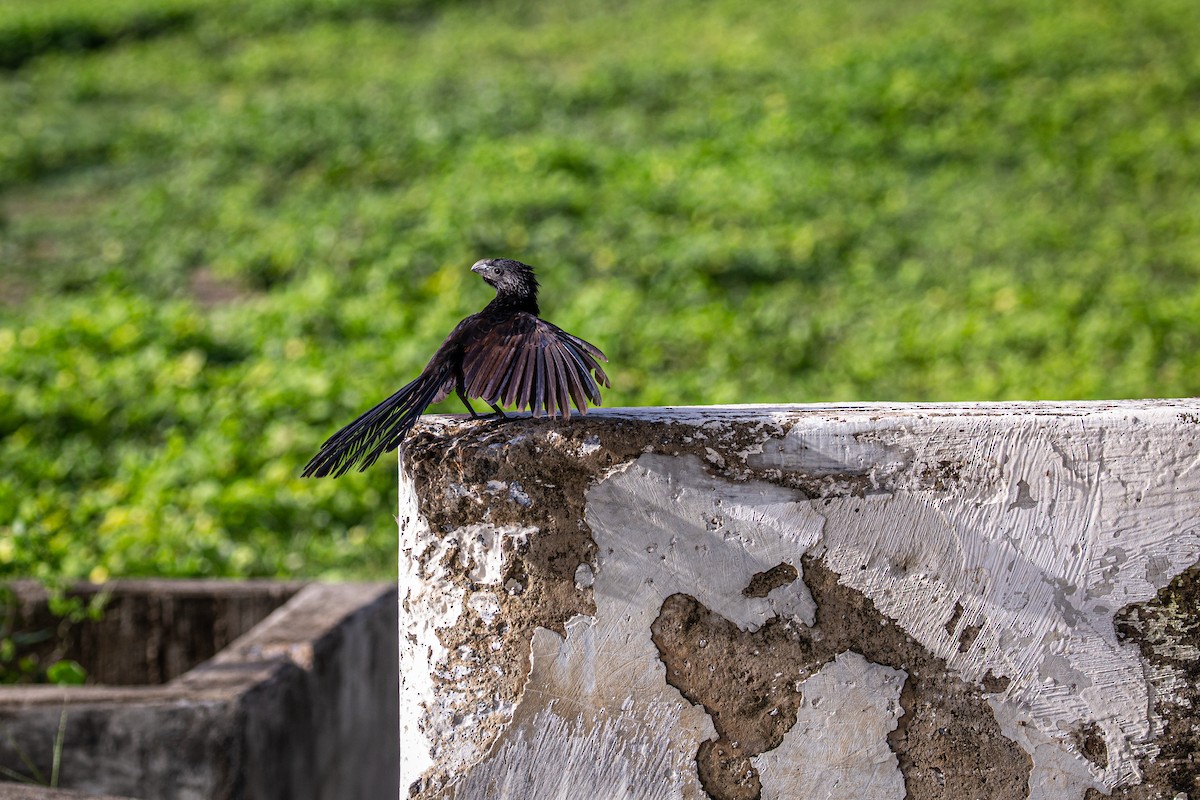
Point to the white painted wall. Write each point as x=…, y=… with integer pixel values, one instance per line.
x=1038, y=522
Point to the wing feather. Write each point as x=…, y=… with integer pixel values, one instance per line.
x=555, y=355
x=522, y=380
x=529, y=363
x=383, y=427
x=540, y=380
x=580, y=372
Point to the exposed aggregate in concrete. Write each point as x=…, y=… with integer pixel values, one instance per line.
x=948, y=742
x=1167, y=631
x=554, y=462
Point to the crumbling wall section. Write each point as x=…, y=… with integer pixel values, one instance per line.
x=866, y=601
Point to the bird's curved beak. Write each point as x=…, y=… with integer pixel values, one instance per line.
x=478, y=266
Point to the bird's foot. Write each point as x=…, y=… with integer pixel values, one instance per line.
x=497, y=413
x=493, y=415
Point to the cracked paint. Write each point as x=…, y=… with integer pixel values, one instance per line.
x=838, y=746
x=969, y=563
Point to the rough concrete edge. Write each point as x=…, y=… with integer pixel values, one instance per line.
x=286, y=636
x=19, y=792
x=699, y=415
x=28, y=590
x=297, y=673
x=293, y=634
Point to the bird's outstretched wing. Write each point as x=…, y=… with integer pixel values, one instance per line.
x=527, y=362
x=382, y=428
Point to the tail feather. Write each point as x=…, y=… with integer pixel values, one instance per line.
x=381, y=429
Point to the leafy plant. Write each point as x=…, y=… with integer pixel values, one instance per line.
x=36, y=776
x=24, y=657
x=224, y=233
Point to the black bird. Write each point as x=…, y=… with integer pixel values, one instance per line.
x=504, y=354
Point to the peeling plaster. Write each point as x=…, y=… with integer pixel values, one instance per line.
x=1001, y=540
x=1031, y=576
x=838, y=750
x=616, y=758
x=430, y=601
x=482, y=547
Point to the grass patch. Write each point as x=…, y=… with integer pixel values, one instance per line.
x=222, y=237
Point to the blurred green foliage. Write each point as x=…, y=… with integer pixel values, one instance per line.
x=24, y=657
x=227, y=227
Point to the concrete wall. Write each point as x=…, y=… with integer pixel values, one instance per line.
x=23, y=792
x=151, y=631
x=941, y=601
x=302, y=707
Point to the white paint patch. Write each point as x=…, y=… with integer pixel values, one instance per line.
x=455, y=490
x=514, y=491
x=485, y=605
x=598, y=761
x=1042, y=530
x=517, y=494
x=584, y=577
x=838, y=749
x=482, y=548
x=842, y=447
x=714, y=457
x=608, y=663
x=1051, y=534
x=1057, y=771
x=619, y=732
x=426, y=605
x=664, y=526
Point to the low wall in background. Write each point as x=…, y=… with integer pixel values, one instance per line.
x=301, y=705
x=869, y=601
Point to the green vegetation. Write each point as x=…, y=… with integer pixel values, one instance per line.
x=227, y=227
x=25, y=656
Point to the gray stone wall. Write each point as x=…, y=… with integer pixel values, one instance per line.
x=300, y=707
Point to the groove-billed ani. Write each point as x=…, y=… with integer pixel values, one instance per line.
x=503, y=354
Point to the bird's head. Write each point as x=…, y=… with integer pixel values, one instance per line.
x=510, y=278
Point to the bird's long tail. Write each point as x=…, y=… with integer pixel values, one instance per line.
x=381, y=429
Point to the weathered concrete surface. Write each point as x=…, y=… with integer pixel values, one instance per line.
x=302, y=706
x=993, y=601
x=152, y=630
